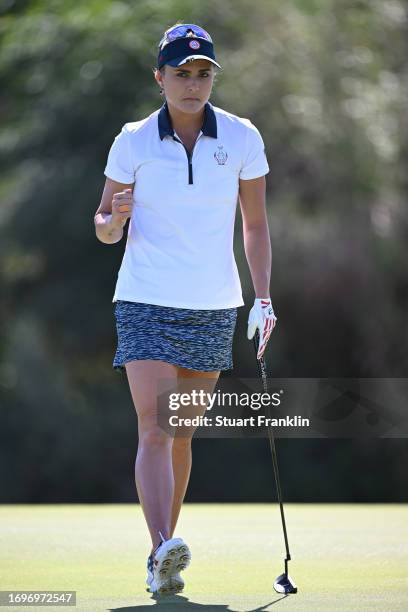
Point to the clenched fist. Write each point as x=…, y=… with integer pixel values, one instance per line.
x=122, y=204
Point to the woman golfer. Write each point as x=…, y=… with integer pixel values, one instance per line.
x=177, y=175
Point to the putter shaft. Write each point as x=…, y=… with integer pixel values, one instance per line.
x=263, y=374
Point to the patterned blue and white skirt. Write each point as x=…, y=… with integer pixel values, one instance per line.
x=194, y=339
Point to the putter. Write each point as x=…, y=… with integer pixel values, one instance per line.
x=283, y=583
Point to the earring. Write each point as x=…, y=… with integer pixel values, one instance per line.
x=161, y=91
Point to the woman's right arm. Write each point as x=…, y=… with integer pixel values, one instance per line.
x=113, y=211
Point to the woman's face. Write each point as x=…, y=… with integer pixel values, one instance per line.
x=188, y=87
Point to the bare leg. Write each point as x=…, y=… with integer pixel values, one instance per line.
x=153, y=468
x=163, y=464
x=181, y=470
x=181, y=452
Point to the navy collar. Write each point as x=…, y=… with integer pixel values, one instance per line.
x=209, y=127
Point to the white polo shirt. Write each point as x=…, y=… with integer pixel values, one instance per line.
x=179, y=249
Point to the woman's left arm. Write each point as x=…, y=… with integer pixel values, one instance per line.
x=257, y=242
x=258, y=252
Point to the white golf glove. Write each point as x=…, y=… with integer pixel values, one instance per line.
x=261, y=317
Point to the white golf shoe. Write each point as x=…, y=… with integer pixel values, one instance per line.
x=164, y=567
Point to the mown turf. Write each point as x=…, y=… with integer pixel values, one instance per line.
x=345, y=557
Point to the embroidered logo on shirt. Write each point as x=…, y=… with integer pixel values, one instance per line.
x=194, y=44
x=221, y=156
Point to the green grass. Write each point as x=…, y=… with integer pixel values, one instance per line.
x=345, y=557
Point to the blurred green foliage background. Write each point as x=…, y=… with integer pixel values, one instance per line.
x=326, y=82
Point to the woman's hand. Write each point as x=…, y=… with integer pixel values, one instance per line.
x=261, y=317
x=122, y=204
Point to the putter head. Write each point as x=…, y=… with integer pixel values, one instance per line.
x=284, y=584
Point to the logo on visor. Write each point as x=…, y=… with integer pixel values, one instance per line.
x=194, y=44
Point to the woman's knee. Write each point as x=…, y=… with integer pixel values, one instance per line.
x=154, y=437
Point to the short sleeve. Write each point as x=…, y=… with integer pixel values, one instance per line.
x=255, y=163
x=119, y=166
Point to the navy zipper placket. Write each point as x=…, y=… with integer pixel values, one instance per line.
x=189, y=159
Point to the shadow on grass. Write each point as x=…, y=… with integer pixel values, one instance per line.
x=175, y=603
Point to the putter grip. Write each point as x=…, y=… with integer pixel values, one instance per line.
x=261, y=363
